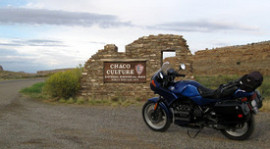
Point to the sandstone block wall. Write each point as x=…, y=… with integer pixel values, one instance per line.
x=148, y=48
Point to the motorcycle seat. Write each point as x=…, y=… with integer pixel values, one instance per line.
x=207, y=92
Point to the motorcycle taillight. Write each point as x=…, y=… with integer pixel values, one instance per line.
x=244, y=99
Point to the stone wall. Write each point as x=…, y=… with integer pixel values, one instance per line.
x=233, y=60
x=148, y=48
x=227, y=60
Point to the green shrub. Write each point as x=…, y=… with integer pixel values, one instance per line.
x=63, y=84
x=62, y=100
x=70, y=101
x=34, y=89
x=80, y=101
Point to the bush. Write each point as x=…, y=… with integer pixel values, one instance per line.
x=63, y=84
x=80, y=101
x=70, y=101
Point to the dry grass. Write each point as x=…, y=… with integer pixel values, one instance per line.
x=266, y=106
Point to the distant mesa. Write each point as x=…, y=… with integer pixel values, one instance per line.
x=1, y=68
x=48, y=72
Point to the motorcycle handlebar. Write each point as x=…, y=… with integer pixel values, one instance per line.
x=179, y=75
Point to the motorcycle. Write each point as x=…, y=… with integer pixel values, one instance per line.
x=187, y=103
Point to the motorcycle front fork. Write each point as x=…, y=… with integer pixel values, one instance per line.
x=157, y=104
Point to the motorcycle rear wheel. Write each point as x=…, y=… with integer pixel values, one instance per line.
x=158, y=120
x=242, y=133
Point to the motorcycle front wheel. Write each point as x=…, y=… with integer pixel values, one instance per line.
x=240, y=133
x=156, y=120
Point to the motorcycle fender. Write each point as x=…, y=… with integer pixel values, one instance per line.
x=162, y=105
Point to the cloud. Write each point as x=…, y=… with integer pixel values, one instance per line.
x=202, y=26
x=94, y=42
x=43, y=41
x=33, y=42
x=19, y=63
x=12, y=60
x=57, y=17
x=10, y=44
x=46, y=43
x=7, y=51
x=48, y=53
x=40, y=59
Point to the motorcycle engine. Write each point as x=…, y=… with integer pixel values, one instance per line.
x=186, y=112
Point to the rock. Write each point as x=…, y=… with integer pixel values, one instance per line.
x=1, y=68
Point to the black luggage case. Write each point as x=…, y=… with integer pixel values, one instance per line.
x=231, y=111
x=250, y=82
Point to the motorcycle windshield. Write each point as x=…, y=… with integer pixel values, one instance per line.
x=165, y=67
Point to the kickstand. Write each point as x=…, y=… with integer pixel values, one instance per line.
x=195, y=134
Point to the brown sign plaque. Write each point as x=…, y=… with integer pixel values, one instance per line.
x=125, y=72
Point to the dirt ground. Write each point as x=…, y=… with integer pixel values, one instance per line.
x=27, y=123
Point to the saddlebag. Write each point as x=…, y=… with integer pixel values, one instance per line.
x=250, y=82
x=231, y=111
x=226, y=90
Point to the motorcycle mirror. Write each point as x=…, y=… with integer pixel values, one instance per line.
x=182, y=67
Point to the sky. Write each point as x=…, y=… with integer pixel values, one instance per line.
x=51, y=34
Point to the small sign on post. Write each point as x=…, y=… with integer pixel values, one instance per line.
x=125, y=72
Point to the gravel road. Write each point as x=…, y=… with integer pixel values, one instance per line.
x=27, y=123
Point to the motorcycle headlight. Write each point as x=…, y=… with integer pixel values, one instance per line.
x=161, y=75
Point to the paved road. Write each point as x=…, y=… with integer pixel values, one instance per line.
x=26, y=123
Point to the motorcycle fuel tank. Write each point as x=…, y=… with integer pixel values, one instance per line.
x=187, y=88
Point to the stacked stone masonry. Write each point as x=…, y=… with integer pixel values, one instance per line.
x=148, y=48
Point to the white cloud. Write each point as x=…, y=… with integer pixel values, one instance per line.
x=142, y=12
x=203, y=26
x=64, y=33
